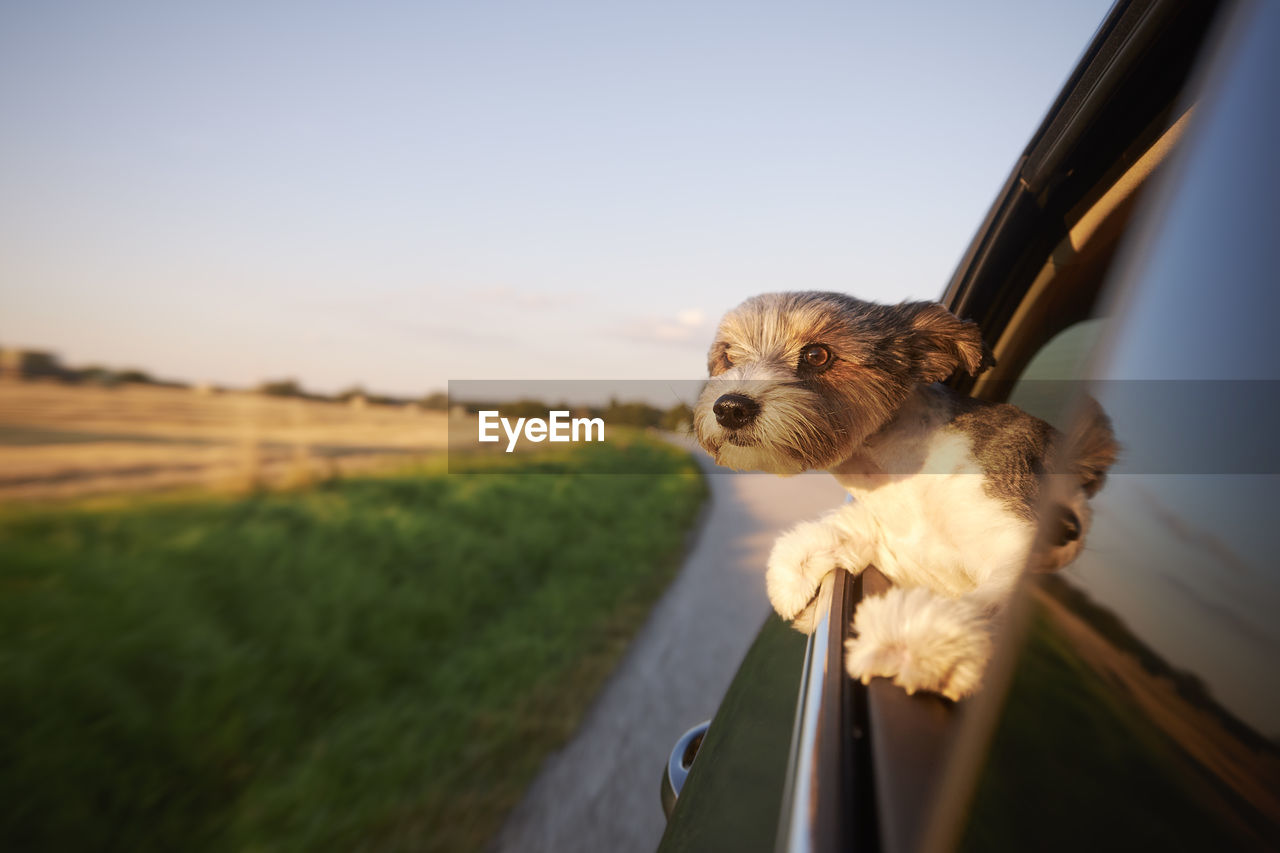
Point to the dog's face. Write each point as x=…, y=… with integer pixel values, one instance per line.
x=800, y=380
x=1084, y=457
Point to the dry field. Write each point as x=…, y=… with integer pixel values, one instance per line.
x=1254, y=776
x=63, y=440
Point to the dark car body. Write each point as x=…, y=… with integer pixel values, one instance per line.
x=1134, y=701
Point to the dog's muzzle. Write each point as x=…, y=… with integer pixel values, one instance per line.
x=734, y=411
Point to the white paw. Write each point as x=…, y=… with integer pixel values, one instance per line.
x=800, y=559
x=920, y=640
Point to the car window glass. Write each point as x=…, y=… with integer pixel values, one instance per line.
x=1144, y=709
x=1047, y=388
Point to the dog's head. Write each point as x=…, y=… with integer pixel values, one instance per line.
x=1079, y=465
x=800, y=380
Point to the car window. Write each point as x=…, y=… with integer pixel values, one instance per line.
x=1049, y=386
x=1143, y=710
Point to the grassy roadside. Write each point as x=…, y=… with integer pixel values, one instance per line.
x=376, y=663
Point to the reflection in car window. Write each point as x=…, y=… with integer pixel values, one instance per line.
x=1049, y=386
x=1144, y=708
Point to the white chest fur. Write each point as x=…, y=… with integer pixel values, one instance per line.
x=923, y=516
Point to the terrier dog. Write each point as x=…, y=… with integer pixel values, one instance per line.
x=946, y=490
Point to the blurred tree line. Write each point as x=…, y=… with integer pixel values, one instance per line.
x=28, y=364
x=21, y=363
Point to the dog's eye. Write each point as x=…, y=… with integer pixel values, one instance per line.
x=1068, y=527
x=718, y=360
x=815, y=356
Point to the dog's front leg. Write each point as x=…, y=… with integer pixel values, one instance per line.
x=804, y=555
x=922, y=640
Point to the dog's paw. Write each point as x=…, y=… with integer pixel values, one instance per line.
x=920, y=640
x=800, y=559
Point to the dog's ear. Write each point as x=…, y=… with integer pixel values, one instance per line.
x=1091, y=447
x=718, y=358
x=940, y=343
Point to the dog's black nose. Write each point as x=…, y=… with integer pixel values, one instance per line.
x=735, y=411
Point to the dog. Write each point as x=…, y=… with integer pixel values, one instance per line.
x=951, y=497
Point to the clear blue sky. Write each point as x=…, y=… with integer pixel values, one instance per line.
x=399, y=194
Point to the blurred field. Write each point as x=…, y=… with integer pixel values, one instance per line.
x=1166, y=767
x=68, y=440
x=377, y=662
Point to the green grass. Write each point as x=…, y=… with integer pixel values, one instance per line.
x=375, y=663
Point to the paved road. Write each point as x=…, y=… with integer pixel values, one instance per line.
x=600, y=793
